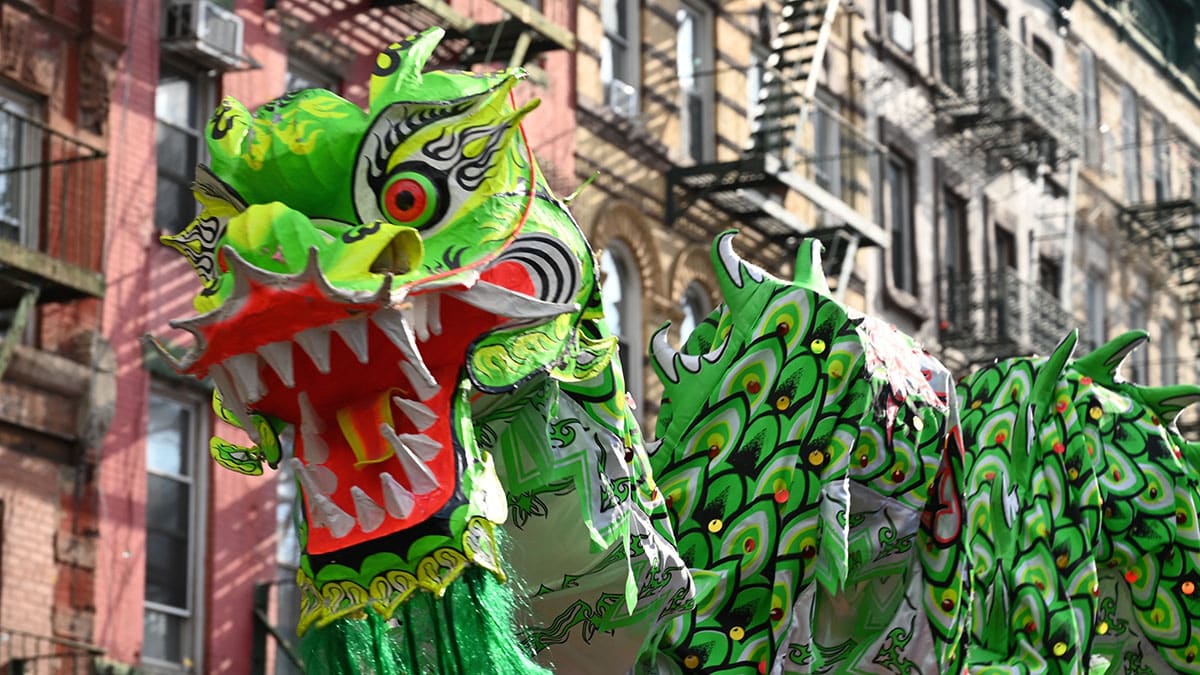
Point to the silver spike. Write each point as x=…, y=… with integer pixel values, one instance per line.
x=421, y=380
x=398, y=330
x=278, y=355
x=370, y=515
x=354, y=333
x=419, y=476
x=232, y=401
x=315, y=343
x=327, y=514
x=421, y=415
x=664, y=354
x=243, y=369
x=315, y=449
x=398, y=501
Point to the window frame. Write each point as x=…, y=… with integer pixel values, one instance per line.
x=204, y=95
x=198, y=481
x=1093, y=145
x=1139, y=360
x=827, y=144
x=956, y=229
x=1160, y=136
x=1131, y=160
x=1096, y=302
x=629, y=313
x=627, y=67
x=27, y=110
x=701, y=78
x=903, y=273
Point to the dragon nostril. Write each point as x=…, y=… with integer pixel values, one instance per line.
x=401, y=254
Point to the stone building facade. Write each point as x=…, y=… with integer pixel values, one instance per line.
x=964, y=163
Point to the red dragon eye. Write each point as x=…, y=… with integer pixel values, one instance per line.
x=406, y=200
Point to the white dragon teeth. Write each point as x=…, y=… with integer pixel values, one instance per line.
x=425, y=315
x=422, y=381
x=397, y=500
x=315, y=449
x=419, y=476
x=327, y=514
x=233, y=402
x=316, y=479
x=421, y=445
x=278, y=355
x=354, y=333
x=370, y=515
x=315, y=343
x=243, y=370
x=420, y=414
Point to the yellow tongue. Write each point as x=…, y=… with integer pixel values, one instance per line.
x=360, y=425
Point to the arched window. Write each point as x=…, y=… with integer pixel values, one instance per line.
x=621, y=296
x=696, y=305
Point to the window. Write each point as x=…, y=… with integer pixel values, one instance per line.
x=997, y=15
x=1194, y=179
x=693, y=62
x=899, y=23
x=898, y=212
x=1042, y=50
x=957, y=237
x=696, y=305
x=1006, y=250
x=1162, y=158
x=827, y=144
x=950, y=55
x=1140, y=359
x=619, y=55
x=1090, y=100
x=1097, y=291
x=756, y=74
x=1131, y=164
x=20, y=146
x=1168, y=357
x=174, y=531
x=1049, y=276
x=621, y=297
x=180, y=107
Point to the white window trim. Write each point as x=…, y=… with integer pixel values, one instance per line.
x=631, y=318
x=702, y=81
x=633, y=49
x=30, y=215
x=198, y=516
x=206, y=102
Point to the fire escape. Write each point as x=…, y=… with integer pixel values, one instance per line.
x=1006, y=105
x=786, y=156
x=51, y=223
x=336, y=33
x=1168, y=227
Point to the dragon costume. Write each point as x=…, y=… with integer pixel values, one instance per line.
x=397, y=293
x=393, y=305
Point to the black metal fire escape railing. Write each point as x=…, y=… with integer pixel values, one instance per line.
x=997, y=315
x=335, y=34
x=1169, y=228
x=1006, y=98
x=798, y=145
x=52, y=226
x=23, y=653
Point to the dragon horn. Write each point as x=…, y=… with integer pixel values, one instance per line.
x=1046, y=380
x=1102, y=363
x=809, y=271
x=398, y=68
x=1168, y=401
x=733, y=273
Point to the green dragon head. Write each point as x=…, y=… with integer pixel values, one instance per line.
x=360, y=272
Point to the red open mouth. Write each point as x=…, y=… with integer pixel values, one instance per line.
x=367, y=380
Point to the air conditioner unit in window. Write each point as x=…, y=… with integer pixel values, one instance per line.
x=900, y=30
x=203, y=31
x=623, y=98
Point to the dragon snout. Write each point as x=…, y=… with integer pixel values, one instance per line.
x=402, y=253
